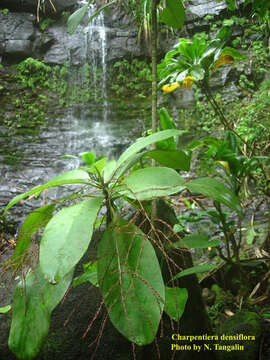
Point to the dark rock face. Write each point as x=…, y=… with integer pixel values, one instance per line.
x=21, y=37
x=31, y=5
x=17, y=35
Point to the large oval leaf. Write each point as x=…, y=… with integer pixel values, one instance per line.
x=152, y=182
x=33, y=301
x=131, y=283
x=217, y=191
x=66, y=238
x=70, y=177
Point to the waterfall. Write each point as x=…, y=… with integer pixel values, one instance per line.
x=95, y=50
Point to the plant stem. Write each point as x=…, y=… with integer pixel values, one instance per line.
x=154, y=86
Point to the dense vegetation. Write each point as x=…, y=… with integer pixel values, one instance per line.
x=135, y=266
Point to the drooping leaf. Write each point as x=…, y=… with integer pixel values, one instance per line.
x=90, y=274
x=174, y=14
x=5, y=309
x=130, y=280
x=142, y=142
x=152, y=182
x=70, y=177
x=66, y=238
x=216, y=190
x=33, y=301
x=175, y=159
x=99, y=11
x=175, y=302
x=195, y=270
x=196, y=241
x=76, y=18
x=35, y=221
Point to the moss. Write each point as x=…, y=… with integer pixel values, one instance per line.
x=246, y=323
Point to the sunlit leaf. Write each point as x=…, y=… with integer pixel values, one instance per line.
x=5, y=309
x=67, y=237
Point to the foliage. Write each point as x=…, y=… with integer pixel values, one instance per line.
x=33, y=73
x=128, y=270
x=44, y=23
x=195, y=61
x=130, y=78
x=4, y=11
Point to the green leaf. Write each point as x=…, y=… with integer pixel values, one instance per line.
x=195, y=270
x=33, y=301
x=250, y=235
x=70, y=177
x=197, y=72
x=215, y=190
x=99, y=10
x=35, y=221
x=142, y=142
x=197, y=241
x=76, y=18
x=5, y=309
x=98, y=166
x=233, y=52
x=175, y=302
x=90, y=274
x=174, y=14
x=175, y=159
x=152, y=182
x=88, y=157
x=109, y=169
x=130, y=280
x=67, y=237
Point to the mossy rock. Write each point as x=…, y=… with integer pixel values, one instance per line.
x=239, y=337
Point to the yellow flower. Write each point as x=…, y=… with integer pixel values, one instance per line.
x=187, y=82
x=170, y=87
x=224, y=59
x=225, y=164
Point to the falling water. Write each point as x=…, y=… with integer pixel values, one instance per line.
x=95, y=48
x=93, y=126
